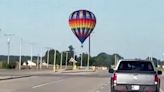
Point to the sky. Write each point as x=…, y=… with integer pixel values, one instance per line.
x=131, y=28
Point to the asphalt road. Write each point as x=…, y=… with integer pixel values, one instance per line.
x=55, y=82
x=61, y=82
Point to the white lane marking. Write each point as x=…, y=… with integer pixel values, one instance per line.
x=161, y=90
x=37, y=86
x=102, y=87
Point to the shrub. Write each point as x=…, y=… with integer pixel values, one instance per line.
x=11, y=65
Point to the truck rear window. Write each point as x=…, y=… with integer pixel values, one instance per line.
x=135, y=66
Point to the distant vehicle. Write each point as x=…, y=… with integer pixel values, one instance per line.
x=30, y=63
x=135, y=75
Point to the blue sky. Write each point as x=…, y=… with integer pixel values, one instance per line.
x=132, y=28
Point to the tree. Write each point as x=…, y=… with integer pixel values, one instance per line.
x=51, y=56
x=103, y=59
x=71, y=50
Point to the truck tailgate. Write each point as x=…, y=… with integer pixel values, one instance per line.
x=135, y=78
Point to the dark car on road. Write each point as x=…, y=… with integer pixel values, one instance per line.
x=135, y=75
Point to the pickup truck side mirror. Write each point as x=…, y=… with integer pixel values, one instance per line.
x=159, y=72
x=111, y=71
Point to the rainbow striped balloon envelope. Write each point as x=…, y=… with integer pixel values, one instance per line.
x=82, y=23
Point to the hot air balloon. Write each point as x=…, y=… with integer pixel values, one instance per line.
x=82, y=23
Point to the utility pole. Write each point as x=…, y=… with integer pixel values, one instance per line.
x=8, y=43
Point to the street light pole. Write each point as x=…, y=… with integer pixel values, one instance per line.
x=66, y=60
x=61, y=60
x=115, y=59
x=89, y=52
x=37, y=62
x=20, y=57
x=81, y=62
x=41, y=59
x=8, y=43
x=8, y=57
x=48, y=57
x=54, y=68
x=32, y=51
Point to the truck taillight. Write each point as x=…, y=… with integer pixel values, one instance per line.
x=156, y=79
x=114, y=78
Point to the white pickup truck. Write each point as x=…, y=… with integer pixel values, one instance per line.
x=132, y=75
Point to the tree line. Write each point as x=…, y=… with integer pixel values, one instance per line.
x=102, y=59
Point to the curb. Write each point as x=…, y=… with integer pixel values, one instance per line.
x=14, y=77
x=76, y=71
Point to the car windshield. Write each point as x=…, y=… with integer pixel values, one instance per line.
x=135, y=66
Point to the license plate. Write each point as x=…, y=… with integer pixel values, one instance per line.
x=135, y=87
